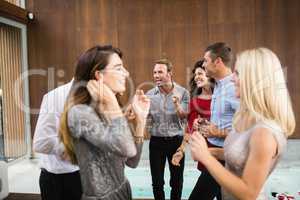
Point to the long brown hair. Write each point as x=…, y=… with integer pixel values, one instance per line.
x=194, y=90
x=96, y=58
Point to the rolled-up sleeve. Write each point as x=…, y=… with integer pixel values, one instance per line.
x=185, y=101
x=46, y=138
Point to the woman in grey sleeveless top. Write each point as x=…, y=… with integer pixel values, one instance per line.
x=94, y=130
x=260, y=128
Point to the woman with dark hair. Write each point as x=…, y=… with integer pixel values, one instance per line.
x=93, y=128
x=201, y=89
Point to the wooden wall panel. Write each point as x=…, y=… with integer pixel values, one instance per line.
x=232, y=21
x=174, y=16
x=96, y=23
x=196, y=34
x=270, y=27
x=13, y=115
x=54, y=34
x=140, y=38
x=292, y=58
x=147, y=30
x=276, y=29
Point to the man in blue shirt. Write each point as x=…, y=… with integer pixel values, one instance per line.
x=218, y=60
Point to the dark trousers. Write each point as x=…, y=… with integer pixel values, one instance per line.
x=206, y=188
x=60, y=186
x=162, y=149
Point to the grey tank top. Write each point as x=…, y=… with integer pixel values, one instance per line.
x=236, y=152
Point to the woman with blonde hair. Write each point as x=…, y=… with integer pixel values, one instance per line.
x=93, y=128
x=260, y=128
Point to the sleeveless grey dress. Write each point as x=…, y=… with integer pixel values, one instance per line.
x=236, y=152
x=102, y=149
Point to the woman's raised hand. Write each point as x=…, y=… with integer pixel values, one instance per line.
x=100, y=92
x=106, y=100
x=199, y=149
x=129, y=113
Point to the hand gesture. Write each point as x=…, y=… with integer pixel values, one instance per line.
x=101, y=92
x=210, y=130
x=176, y=158
x=141, y=105
x=199, y=149
x=65, y=156
x=196, y=124
x=175, y=100
x=129, y=113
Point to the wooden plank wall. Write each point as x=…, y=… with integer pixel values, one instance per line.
x=13, y=115
x=147, y=30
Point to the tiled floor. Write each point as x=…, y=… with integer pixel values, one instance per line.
x=23, y=176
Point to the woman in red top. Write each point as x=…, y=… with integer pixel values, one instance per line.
x=199, y=111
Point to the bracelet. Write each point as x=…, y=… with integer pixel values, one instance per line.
x=180, y=149
x=186, y=140
x=138, y=139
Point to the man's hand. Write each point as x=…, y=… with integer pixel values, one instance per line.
x=211, y=130
x=175, y=100
x=198, y=122
x=177, y=157
x=65, y=156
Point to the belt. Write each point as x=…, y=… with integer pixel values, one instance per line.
x=176, y=137
x=47, y=172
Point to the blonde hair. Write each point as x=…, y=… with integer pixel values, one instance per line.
x=263, y=91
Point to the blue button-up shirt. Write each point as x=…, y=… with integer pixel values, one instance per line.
x=223, y=106
x=163, y=120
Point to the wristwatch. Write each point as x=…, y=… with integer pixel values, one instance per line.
x=180, y=149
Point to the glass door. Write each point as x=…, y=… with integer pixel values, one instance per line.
x=14, y=118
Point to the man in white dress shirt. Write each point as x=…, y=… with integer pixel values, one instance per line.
x=59, y=179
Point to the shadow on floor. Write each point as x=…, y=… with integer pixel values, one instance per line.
x=22, y=196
